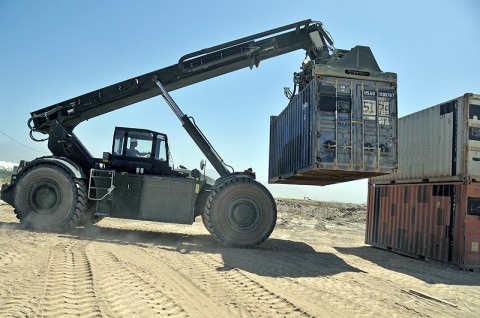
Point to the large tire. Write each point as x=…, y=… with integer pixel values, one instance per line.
x=240, y=213
x=89, y=218
x=48, y=198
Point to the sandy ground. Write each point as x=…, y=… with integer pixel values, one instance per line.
x=314, y=265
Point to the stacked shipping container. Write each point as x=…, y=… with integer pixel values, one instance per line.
x=439, y=221
x=440, y=143
x=430, y=207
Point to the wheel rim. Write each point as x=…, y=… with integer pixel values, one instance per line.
x=45, y=197
x=243, y=214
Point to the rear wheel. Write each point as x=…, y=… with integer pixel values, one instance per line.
x=240, y=213
x=48, y=198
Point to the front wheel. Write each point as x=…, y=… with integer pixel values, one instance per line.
x=240, y=213
x=47, y=198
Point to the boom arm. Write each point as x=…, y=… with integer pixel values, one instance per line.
x=191, y=68
x=195, y=133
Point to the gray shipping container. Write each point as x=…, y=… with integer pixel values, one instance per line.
x=336, y=129
x=439, y=144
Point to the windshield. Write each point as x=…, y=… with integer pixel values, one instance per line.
x=139, y=144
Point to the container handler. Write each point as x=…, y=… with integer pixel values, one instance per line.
x=72, y=188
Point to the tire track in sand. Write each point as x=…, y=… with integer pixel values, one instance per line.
x=15, y=279
x=244, y=296
x=337, y=289
x=127, y=290
x=68, y=286
x=22, y=265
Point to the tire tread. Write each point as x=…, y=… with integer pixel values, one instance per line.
x=209, y=221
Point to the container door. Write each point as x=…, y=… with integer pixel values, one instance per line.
x=375, y=126
x=376, y=214
x=473, y=149
x=345, y=125
x=472, y=229
x=334, y=124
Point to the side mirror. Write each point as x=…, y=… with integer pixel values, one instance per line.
x=202, y=164
x=195, y=174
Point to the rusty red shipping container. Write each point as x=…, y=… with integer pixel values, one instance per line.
x=432, y=221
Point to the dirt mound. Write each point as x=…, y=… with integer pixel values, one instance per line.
x=319, y=215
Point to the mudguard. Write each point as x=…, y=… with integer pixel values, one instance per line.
x=230, y=176
x=72, y=168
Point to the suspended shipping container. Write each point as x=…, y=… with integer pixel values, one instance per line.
x=341, y=126
x=440, y=143
x=336, y=129
x=431, y=221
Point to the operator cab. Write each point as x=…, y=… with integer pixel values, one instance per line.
x=140, y=151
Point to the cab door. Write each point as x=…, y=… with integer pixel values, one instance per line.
x=126, y=196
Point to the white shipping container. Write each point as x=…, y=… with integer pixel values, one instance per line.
x=440, y=143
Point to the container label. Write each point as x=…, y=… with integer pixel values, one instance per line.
x=384, y=121
x=343, y=106
x=474, y=112
x=474, y=133
x=386, y=94
x=344, y=119
x=369, y=105
x=474, y=246
x=473, y=207
x=383, y=109
x=369, y=109
x=382, y=100
x=383, y=106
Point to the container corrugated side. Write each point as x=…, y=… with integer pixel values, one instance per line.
x=335, y=130
x=440, y=143
x=433, y=221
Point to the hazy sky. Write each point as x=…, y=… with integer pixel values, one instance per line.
x=55, y=50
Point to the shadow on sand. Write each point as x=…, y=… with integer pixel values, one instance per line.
x=427, y=271
x=273, y=258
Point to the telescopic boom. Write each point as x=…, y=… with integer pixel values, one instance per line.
x=190, y=69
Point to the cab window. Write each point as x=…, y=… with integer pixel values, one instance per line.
x=161, y=148
x=118, y=142
x=139, y=145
